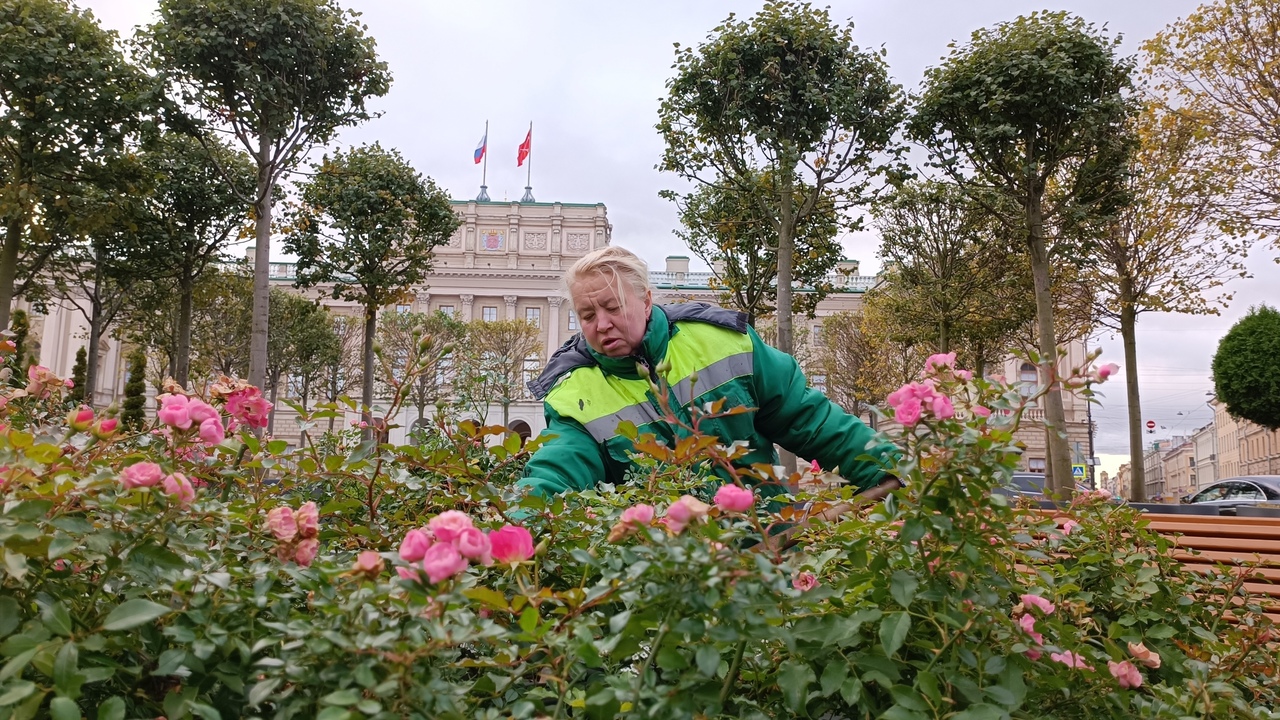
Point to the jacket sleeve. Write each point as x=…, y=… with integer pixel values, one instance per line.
x=809, y=424
x=569, y=458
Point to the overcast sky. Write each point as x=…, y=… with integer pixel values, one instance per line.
x=589, y=76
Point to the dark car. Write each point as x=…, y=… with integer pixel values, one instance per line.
x=1227, y=495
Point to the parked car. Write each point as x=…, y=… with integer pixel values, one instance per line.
x=1227, y=495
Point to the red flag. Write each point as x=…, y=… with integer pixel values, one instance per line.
x=525, y=148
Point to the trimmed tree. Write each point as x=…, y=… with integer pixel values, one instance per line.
x=1035, y=109
x=133, y=414
x=1246, y=368
x=786, y=111
x=77, y=377
x=367, y=224
x=281, y=77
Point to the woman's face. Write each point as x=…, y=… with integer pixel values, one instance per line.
x=613, y=327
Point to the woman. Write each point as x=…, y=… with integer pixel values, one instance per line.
x=703, y=353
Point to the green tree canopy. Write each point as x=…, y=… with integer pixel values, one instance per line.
x=1036, y=110
x=786, y=94
x=68, y=104
x=367, y=225
x=1246, y=368
x=280, y=77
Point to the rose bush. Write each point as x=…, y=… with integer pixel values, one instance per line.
x=179, y=573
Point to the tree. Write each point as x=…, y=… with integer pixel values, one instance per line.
x=1164, y=252
x=735, y=234
x=68, y=104
x=954, y=275
x=1215, y=69
x=1246, y=368
x=892, y=357
x=281, y=78
x=77, y=377
x=1036, y=110
x=367, y=224
x=342, y=374
x=134, y=416
x=300, y=331
x=189, y=219
x=844, y=357
x=789, y=101
x=424, y=342
x=496, y=360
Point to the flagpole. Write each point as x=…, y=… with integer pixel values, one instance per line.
x=484, y=170
x=528, y=179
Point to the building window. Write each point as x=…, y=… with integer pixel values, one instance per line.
x=1035, y=465
x=1028, y=378
x=533, y=316
x=403, y=308
x=573, y=320
x=489, y=313
x=817, y=336
x=447, y=310
x=819, y=383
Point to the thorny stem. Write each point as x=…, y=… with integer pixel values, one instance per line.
x=732, y=676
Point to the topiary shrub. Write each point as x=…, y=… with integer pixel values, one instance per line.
x=1246, y=368
x=135, y=392
x=78, y=371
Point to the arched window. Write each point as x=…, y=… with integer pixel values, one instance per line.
x=1028, y=379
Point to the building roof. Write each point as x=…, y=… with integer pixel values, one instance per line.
x=665, y=280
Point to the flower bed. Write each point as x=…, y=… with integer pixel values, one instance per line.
x=181, y=572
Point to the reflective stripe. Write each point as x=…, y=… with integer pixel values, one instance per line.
x=606, y=427
x=715, y=375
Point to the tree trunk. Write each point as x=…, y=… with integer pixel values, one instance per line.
x=1128, y=335
x=92, y=356
x=306, y=391
x=182, y=356
x=944, y=337
x=261, y=268
x=275, y=391
x=1059, y=457
x=786, y=251
x=9, y=267
x=370, y=328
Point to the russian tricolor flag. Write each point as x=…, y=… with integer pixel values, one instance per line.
x=484, y=145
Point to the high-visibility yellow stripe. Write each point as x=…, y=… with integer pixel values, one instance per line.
x=588, y=394
x=699, y=346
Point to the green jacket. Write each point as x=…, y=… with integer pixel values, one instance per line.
x=586, y=395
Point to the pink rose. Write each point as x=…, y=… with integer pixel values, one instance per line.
x=511, y=544
x=814, y=467
x=939, y=361
x=249, y=407
x=179, y=489
x=731, y=498
x=69, y=383
x=1038, y=603
x=442, y=561
x=408, y=573
x=199, y=411
x=1028, y=625
x=80, y=419
x=804, y=581
x=474, y=545
x=1071, y=660
x=414, y=546
x=281, y=523
x=1033, y=654
x=981, y=411
x=306, y=552
x=1069, y=527
x=143, y=474
x=106, y=428
x=449, y=524
x=368, y=563
x=1142, y=654
x=963, y=375
x=1126, y=673
x=212, y=432
x=908, y=413
x=173, y=411
x=684, y=511
x=638, y=514
x=1107, y=371
x=308, y=519
x=942, y=407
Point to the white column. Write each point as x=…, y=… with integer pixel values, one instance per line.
x=466, y=306
x=553, y=324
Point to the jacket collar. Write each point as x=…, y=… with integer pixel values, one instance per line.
x=653, y=348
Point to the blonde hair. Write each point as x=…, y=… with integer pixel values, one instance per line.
x=617, y=265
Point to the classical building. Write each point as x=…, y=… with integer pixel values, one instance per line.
x=1179, y=470
x=506, y=261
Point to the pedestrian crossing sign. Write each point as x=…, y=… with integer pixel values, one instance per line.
x=1077, y=472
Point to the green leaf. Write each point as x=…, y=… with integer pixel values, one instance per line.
x=17, y=663
x=64, y=708
x=10, y=615
x=111, y=709
x=275, y=447
x=133, y=613
x=898, y=712
x=335, y=713
x=981, y=711
x=851, y=690
x=28, y=509
x=262, y=690
x=57, y=619
x=794, y=679
x=343, y=697
x=893, y=631
x=16, y=692
x=908, y=698
x=486, y=596
x=618, y=622
x=1161, y=632
x=902, y=586
x=60, y=545
x=529, y=619
x=708, y=660
x=833, y=676
x=603, y=705
x=65, y=677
